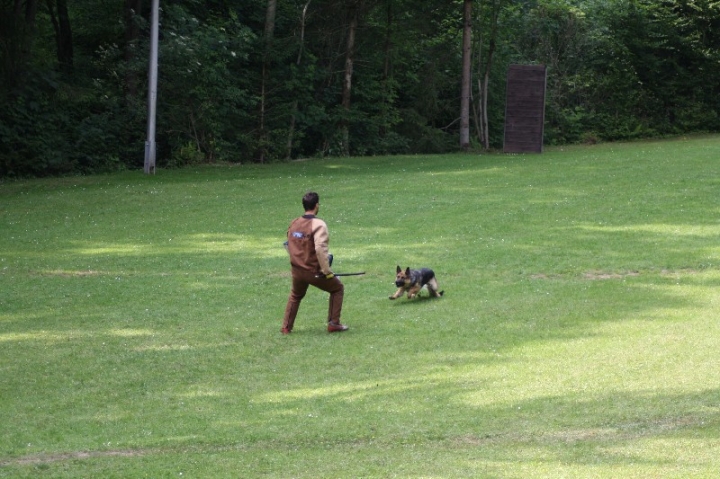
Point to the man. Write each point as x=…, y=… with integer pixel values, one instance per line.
x=307, y=244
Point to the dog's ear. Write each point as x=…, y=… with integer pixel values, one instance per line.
x=407, y=271
x=398, y=269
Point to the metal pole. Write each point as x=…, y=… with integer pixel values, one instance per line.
x=152, y=90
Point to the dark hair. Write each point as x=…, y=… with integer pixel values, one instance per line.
x=310, y=200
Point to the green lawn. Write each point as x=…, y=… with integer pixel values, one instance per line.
x=578, y=336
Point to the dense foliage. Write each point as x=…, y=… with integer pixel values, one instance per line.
x=261, y=80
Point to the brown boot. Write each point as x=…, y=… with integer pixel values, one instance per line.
x=336, y=327
x=287, y=326
x=288, y=323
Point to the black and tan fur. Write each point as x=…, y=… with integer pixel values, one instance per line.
x=413, y=280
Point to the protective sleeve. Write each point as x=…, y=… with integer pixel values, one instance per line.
x=322, y=240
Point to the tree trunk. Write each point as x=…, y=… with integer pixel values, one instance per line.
x=132, y=9
x=269, y=34
x=478, y=109
x=386, y=70
x=484, y=68
x=347, y=81
x=31, y=7
x=484, y=118
x=17, y=31
x=65, y=44
x=466, y=74
x=63, y=33
x=388, y=42
x=293, y=116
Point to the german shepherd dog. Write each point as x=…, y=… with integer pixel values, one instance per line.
x=413, y=280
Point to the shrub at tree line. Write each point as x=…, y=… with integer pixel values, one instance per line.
x=261, y=81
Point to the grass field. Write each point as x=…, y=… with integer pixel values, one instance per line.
x=578, y=336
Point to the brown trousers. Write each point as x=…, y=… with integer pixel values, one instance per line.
x=301, y=281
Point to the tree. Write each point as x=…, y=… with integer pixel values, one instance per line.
x=269, y=33
x=63, y=33
x=294, y=111
x=17, y=34
x=347, y=77
x=132, y=21
x=466, y=76
x=205, y=91
x=490, y=12
x=555, y=33
x=677, y=61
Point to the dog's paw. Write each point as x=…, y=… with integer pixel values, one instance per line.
x=391, y=297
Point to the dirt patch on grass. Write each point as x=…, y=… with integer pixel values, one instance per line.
x=590, y=275
x=42, y=458
x=539, y=276
x=616, y=432
x=71, y=274
x=600, y=275
x=675, y=272
x=67, y=456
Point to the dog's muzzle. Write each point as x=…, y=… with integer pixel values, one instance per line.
x=399, y=283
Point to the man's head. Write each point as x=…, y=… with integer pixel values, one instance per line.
x=310, y=200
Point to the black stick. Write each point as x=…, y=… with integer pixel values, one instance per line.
x=342, y=274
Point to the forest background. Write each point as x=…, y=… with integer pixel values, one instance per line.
x=268, y=80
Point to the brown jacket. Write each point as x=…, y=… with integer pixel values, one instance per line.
x=308, y=240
